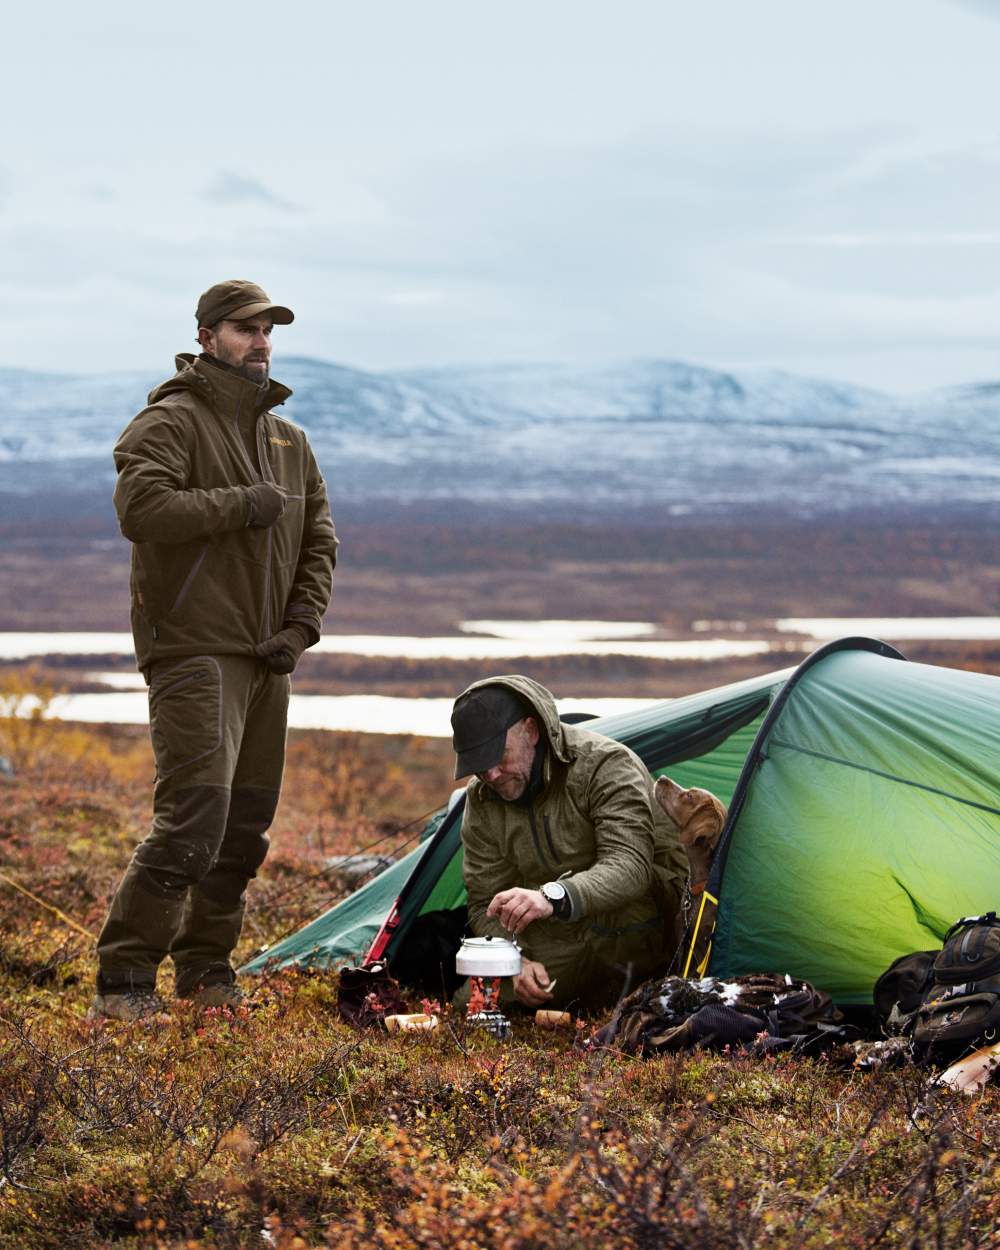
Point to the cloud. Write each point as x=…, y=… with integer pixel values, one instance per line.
x=99, y=192
x=228, y=187
x=752, y=246
x=904, y=238
x=985, y=8
x=413, y=299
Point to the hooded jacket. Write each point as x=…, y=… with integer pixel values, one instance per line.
x=203, y=583
x=595, y=826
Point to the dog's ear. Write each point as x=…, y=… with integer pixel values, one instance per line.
x=705, y=824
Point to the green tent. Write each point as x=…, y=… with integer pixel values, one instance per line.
x=864, y=796
x=866, y=820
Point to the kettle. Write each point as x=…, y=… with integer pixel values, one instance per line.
x=488, y=957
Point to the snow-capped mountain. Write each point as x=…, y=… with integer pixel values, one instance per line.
x=653, y=433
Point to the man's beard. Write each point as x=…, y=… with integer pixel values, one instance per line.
x=251, y=370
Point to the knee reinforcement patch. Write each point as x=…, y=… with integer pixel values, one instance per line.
x=251, y=811
x=244, y=846
x=185, y=840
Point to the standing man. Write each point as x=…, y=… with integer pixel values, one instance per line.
x=564, y=846
x=232, y=558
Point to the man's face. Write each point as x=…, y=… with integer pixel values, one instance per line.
x=243, y=345
x=509, y=779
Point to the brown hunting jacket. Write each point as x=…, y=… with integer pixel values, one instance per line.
x=596, y=827
x=203, y=583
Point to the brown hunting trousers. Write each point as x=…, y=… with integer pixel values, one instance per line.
x=218, y=726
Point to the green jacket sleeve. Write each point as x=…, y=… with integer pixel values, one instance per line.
x=621, y=810
x=310, y=593
x=151, y=498
x=485, y=872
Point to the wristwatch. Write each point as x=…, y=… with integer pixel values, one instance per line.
x=555, y=892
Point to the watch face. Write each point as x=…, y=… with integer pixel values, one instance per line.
x=554, y=891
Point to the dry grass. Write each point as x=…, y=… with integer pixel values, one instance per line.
x=206, y=1130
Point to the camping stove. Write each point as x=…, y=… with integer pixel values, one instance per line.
x=486, y=961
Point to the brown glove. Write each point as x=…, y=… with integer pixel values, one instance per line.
x=281, y=653
x=265, y=503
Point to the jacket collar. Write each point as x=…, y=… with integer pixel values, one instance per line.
x=225, y=389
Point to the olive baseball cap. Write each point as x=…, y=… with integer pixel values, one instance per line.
x=479, y=723
x=236, y=300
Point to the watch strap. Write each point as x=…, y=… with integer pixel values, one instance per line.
x=561, y=906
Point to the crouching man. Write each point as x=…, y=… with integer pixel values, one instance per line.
x=565, y=847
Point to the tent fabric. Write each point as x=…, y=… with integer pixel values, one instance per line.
x=869, y=821
x=703, y=738
x=338, y=936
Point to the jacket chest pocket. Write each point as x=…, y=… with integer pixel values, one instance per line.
x=557, y=848
x=568, y=843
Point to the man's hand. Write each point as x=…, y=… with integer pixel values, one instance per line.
x=531, y=986
x=516, y=908
x=282, y=652
x=265, y=503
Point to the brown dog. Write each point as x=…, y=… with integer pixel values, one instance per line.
x=698, y=817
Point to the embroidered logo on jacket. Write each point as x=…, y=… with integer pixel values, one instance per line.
x=280, y=442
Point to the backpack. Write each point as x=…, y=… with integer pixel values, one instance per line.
x=960, y=1007
x=900, y=990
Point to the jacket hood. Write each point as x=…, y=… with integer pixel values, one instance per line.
x=543, y=706
x=219, y=387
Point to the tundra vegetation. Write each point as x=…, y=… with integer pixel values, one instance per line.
x=279, y=1126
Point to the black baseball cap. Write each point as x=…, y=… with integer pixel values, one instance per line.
x=479, y=722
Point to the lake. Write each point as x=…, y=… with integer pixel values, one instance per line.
x=510, y=640
x=125, y=703
x=362, y=713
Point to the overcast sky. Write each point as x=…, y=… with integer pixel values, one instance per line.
x=790, y=183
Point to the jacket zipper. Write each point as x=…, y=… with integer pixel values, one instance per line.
x=534, y=834
x=548, y=835
x=260, y=476
x=267, y=589
x=538, y=842
x=262, y=455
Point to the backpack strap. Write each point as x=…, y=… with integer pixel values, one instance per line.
x=989, y=917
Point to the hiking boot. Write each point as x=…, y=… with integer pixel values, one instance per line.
x=127, y=1005
x=230, y=996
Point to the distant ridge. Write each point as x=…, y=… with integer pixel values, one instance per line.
x=659, y=434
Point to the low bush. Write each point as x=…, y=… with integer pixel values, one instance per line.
x=278, y=1126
